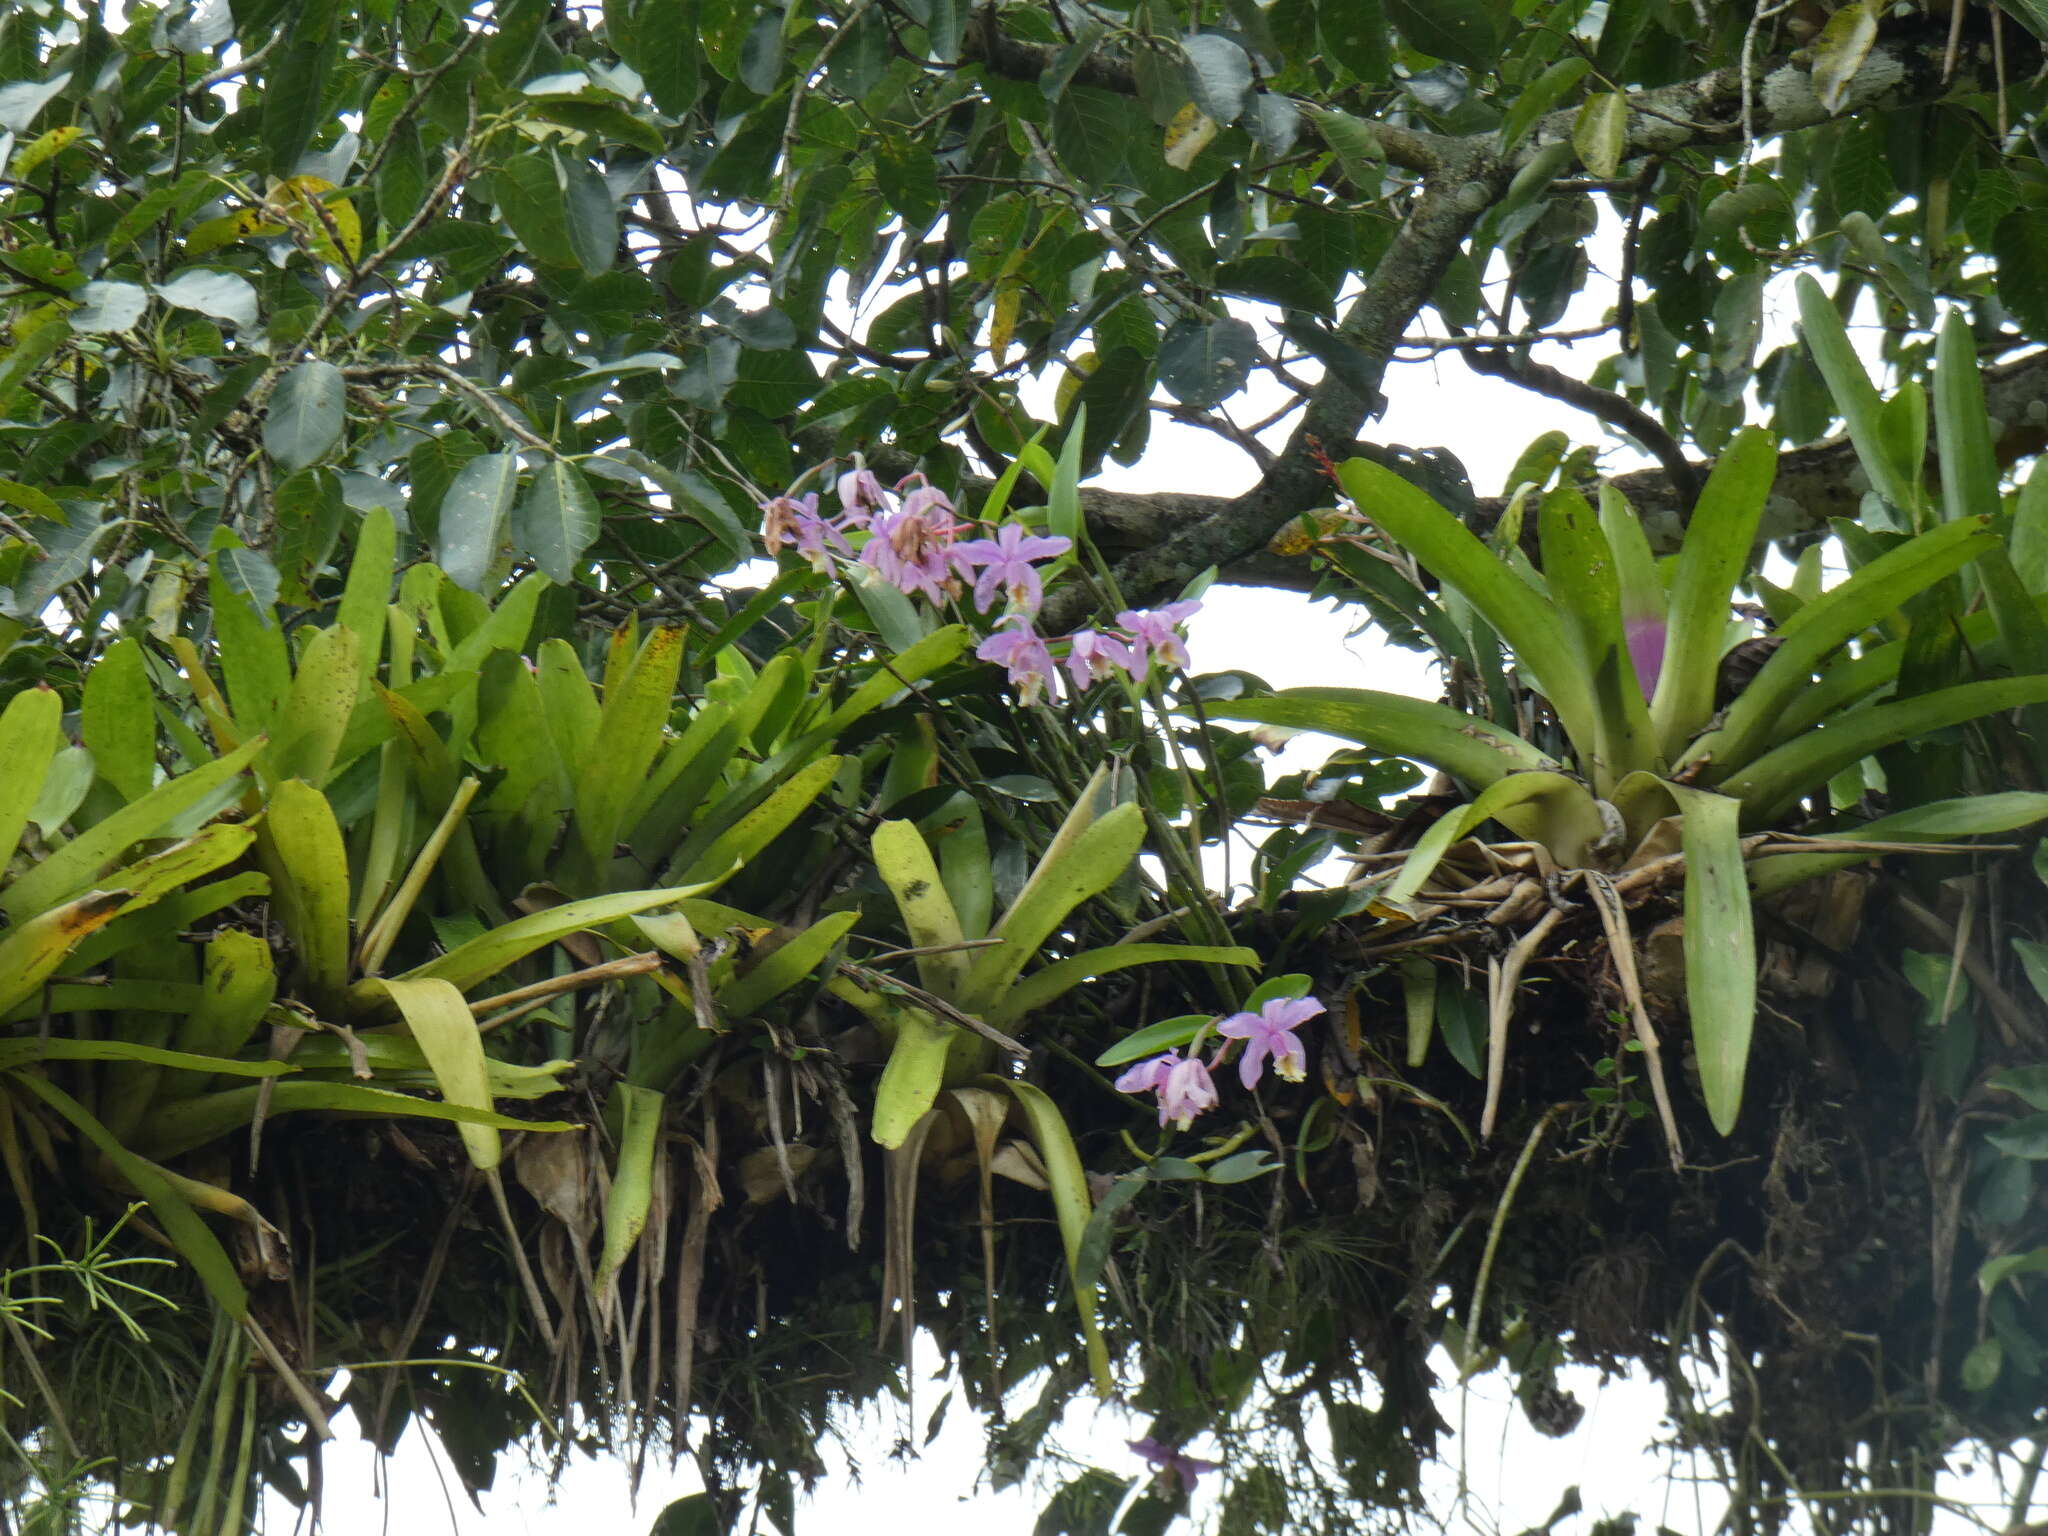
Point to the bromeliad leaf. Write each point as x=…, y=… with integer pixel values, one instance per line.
x=1720, y=947
x=1469, y=749
x=1548, y=808
x=1067, y=876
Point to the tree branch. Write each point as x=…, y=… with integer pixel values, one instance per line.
x=1616, y=410
x=1410, y=149
x=1814, y=484
x=1467, y=178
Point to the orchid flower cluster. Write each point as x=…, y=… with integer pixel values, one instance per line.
x=1182, y=1081
x=913, y=540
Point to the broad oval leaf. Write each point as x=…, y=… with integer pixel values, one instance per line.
x=592, y=216
x=305, y=416
x=108, y=306
x=1841, y=49
x=1203, y=362
x=473, y=518
x=1459, y=30
x=557, y=519
x=1219, y=76
x=218, y=295
x=1600, y=133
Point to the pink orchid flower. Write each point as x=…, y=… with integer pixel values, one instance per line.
x=911, y=549
x=1006, y=565
x=1271, y=1033
x=1171, y=1461
x=1092, y=655
x=1022, y=650
x=1156, y=632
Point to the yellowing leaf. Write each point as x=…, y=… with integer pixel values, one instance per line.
x=320, y=211
x=1002, y=322
x=1188, y=135
x=441, y=1023
x=212, y=234
x=1600, y=133
x=1841, y=48
x=327, y=214
x=1078, y=369
x=42, y=150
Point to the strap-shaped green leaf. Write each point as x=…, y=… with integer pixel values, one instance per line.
x=784, y=967
x=688, y=771
x=181, y=1224
x=31, y=951
x=1450, y=550
x=82, y=861
x=632, y=1192
x=1858, y=401
x=1755, y=720
x=573, y=711
x=1064, y=878
x=1547, y=808
x=178, y=1128
x=366, y=594
x=749, y=834
x=29, y=739
x=1473, y=751
x=1054, y=981
x=308, y=867
x=912, y=1076
x=467, y=964
x=1720, y=947
x=19, y=1053
x=1713, y=558
x=1585, y=587
x=447, y=1034
x=313, y=719
x=1939, y=821
x=1768, y=786
x=629, y=731
x=1071, y=1205
x=255, y=662
x=224, y=842
x=907, y=868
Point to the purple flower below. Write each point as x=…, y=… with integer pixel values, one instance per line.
x=1171, y=1461
x=1092, y=655
x=1006, y=565
x=1156, y=632
x=912, y=549
x=1186, y=1092
x=1182, y=1083
x=1022, y=650
x=1271, y=1033
x=1645, y=639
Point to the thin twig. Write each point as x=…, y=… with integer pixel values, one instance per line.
x=589, y=976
